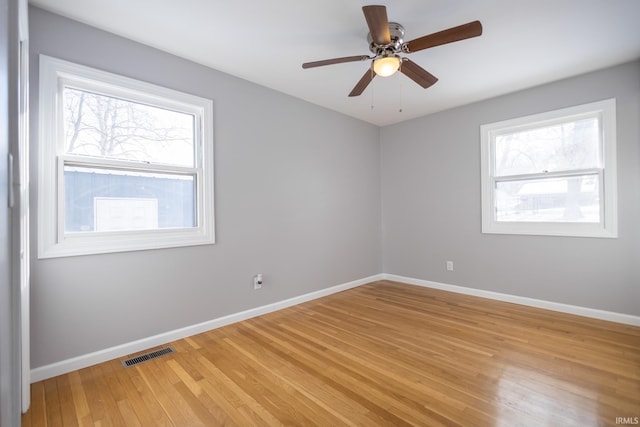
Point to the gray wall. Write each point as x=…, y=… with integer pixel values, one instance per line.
x=431, y=203
x=297, y=199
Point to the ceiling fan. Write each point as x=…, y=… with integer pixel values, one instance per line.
x=386, y=42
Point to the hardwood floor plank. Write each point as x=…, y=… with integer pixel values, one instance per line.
x=67, y=406
x=247, y=406
x=104, y=382
x=382, y=354
x=158, y=378
x=36, y=415
x=128, y=414
x=141, y=399
x=263, y=386
x=83, y=413
x=52, y=403
x=92, y=394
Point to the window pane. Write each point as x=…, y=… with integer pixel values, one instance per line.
x=108, y=127
x=567, y=199
x=107, y=200
x=561, y=147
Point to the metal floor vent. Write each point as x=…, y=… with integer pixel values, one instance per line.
x=148, y=356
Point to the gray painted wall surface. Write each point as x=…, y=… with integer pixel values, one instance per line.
x=297, y=199
x=431, y=203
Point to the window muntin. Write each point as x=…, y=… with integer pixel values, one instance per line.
x=552, y=173
x=124, y=165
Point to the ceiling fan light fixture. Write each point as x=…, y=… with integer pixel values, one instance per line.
x=387, y=65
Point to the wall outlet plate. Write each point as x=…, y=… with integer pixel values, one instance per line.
x=257, y=281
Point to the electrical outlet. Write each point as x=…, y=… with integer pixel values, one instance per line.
x=449, y=265
x=257, y=281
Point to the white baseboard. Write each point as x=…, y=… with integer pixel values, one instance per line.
x=627, y=319
x=68, y=365
x=75, y=363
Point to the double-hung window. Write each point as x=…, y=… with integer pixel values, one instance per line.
x=123, y=164
x=552, y=173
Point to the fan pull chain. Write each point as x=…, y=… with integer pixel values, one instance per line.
x=372, y=86
x=400, y=109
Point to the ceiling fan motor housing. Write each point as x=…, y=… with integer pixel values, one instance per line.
x=396, y=31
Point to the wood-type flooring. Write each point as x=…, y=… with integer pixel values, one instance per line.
x=382, y=354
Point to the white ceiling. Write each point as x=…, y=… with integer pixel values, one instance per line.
x=525, y=43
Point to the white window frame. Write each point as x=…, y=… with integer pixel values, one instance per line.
x=607, y=227
x=52, y=239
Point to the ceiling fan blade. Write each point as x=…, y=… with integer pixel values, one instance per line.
x=417, y=73
x=335, y=61
x=454, y=34
x=363, y=83
x=378, y=23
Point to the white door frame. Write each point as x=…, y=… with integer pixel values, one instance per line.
x=22, y=264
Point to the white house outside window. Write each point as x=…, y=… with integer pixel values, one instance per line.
x=124, y=165
x=552, y=173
